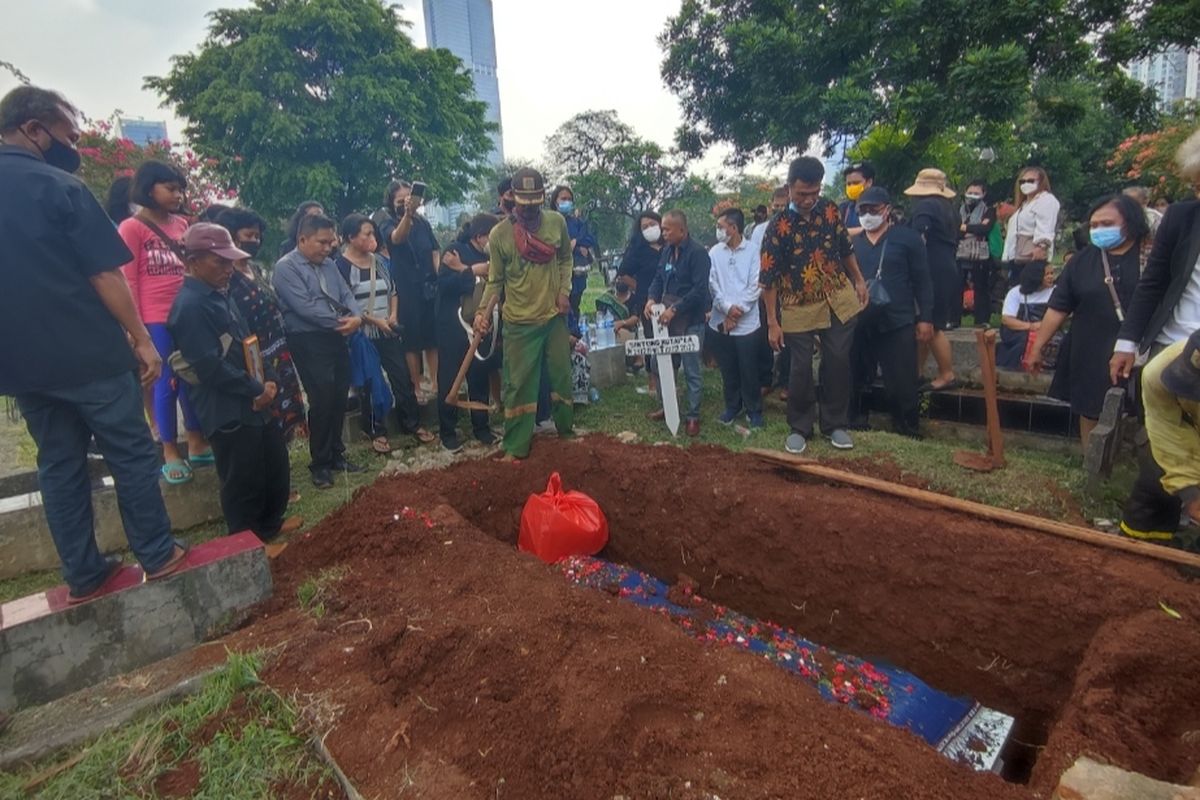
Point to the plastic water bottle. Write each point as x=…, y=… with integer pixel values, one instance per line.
x=586, y=333
x=607, y=336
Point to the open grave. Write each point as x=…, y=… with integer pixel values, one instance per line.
x=455, y=666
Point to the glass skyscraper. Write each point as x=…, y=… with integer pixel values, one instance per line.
x=1173, y=74
x=464, y=27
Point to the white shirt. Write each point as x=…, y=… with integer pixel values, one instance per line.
x=1014, y=298
x=758, y=232
x=733, y=281
x=1037, y=218
x=1184, y=321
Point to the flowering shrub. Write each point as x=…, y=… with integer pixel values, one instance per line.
x=1149, y=158
x=106, y=157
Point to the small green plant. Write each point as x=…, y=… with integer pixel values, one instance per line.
x=317, y=589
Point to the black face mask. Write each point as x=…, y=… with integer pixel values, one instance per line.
x=529, y=213
x=508, y=205
x=58, y=154
x=250, y=248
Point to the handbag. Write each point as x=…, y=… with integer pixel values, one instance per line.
x=877, y=294
x=972, y=248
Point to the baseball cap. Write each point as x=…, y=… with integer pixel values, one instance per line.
x=528, y=187
x=1182, y=375
x=875, y=196
x=207, y=237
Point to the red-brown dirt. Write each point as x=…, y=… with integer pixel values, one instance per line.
x=466, y=669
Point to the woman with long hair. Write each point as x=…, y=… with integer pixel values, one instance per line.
x=1094, y=292
x=155, y=276
x=1033, y=225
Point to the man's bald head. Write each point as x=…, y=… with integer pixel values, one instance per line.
x=674, y=226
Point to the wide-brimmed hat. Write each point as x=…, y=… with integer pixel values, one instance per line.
x=205, y=237
x=929, y=182
x=528, y=187
x=1182, y=375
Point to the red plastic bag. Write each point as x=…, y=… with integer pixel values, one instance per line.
x=557, y=524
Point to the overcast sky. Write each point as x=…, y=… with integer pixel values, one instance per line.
x=592, y=54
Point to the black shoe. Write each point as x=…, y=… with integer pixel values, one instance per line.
x=451, y=444
x=486, y=437
x=342, y=465
x=322, y=479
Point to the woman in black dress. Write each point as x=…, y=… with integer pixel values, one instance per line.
x=1120, y=237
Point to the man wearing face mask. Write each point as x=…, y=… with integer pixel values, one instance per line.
x=70, y=322
x=735, y=321
x=974, y=259
x=859, y=177
x=681, y=284
x=898, y=315
x=529, y=265
x=506, y=202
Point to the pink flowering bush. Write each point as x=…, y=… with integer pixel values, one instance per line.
x=1148, y=159
x=106, y=157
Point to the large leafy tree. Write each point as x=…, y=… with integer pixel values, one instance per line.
x=326, y=99
x=769, y=75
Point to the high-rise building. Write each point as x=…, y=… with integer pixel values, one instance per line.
x=142, y=131
x=464, y=27
x=1173, y=74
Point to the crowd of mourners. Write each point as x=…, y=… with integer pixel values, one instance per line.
x=136, y=313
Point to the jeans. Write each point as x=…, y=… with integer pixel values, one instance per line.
x=740, y=360
x=835, y=378
x=169, y=390
x=692, y=373
x=252, y=463
x=323, y=361
x=62, y=422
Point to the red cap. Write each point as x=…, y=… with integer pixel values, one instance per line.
x=207, y=237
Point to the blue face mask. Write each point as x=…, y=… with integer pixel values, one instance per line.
x=1107, y=238
x=566, y=207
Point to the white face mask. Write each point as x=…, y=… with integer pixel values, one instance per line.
x=871, y=222
x=722, y=236
x=974, y=198
x=1028, y=187
x=652, y=234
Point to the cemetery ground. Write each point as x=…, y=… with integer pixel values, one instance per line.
x=441, y=663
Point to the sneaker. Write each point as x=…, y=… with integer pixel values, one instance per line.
x=451, y=444
x=728, y=416
x=841, y=440
x=486, y=437
x=322, y=479
x=795, y=444
x=756, y=422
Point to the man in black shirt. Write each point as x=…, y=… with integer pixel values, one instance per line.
x=233, y=404
x=64, y=300
x=889, y=329
x=681, y=284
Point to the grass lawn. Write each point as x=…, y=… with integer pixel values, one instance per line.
x=234, y=739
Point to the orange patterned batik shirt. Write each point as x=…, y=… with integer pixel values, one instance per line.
x=802, y=257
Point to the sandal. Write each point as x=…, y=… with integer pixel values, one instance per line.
x=176, y=564
x=113, y=567
x=205, y=459
x=176, y=472
x=381, y=445
x=423, y=436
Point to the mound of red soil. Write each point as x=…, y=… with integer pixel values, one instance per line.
x=467, y=669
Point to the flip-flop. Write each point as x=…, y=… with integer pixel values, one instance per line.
x=381, y=445
x=948, y=386
x=423, y=436
x=180, y=469
x=114, y=569
x=204, y=458
x=176, y=564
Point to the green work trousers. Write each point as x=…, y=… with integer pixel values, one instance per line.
x=525, y=347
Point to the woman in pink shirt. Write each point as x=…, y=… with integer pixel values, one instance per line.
x=154, y=277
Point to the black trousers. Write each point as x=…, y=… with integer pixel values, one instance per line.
x=739, y=358
x=893, y=353
x=450, y=356
x=1151, y=512
x=979, y=275
x=323, y=362
x=252, y=463
x=766, y=356
x=404, y=395
x=835, y=342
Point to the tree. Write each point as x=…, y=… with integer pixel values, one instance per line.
x=1148, y=159
x=768, y=75
x=326, y=99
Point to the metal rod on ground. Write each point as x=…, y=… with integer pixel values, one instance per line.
x=1062, y=529
x=452, y=397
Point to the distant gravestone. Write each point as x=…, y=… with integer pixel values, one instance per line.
x=1105, y=441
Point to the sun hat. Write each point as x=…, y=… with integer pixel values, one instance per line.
x=930, y=182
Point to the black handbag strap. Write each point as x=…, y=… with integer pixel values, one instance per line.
x=157, y=231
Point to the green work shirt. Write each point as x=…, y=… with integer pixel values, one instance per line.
x=530, y=291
